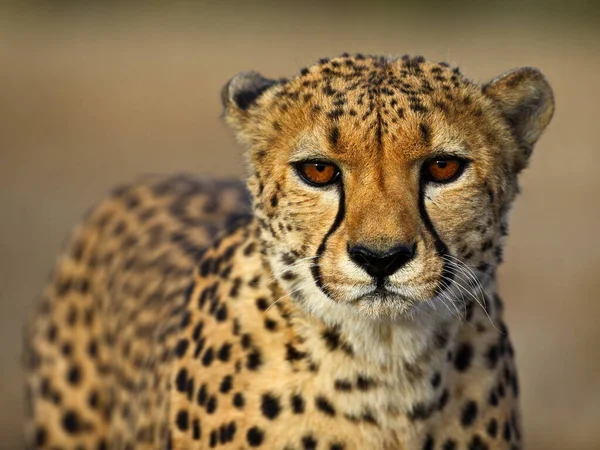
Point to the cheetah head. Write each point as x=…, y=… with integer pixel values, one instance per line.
x=383, y=185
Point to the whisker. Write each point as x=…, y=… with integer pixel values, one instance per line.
x=282, y=297
x=460, y=272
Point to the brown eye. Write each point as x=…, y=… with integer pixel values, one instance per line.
x=318, y=173
x=444, y=170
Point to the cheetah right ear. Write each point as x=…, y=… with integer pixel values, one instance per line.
x=527, y=104
x=242, y=92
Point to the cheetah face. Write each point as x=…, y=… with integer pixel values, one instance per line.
x=384, y=185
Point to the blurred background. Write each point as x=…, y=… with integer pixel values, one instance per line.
x=93, y=93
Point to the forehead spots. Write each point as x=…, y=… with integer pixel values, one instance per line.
x=371, y=97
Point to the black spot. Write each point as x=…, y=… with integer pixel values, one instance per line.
x=270, y=406
x=262, y=303
x=208, y=357
x=477, y=443
x=235, y=287
x=71, y=422
x=420, y=411
x=292, y=353
x=492, y=356
x=223, y=434
x=324, y=405
x=492, y=428
x=429, y=443
x=254, y=360
x=74, y=375
x=190, y=389
x=226, y=384
x=364, y=383
x=288, y=275
x=501, y=390
x=246, y=341
x=211, y=404
x=181, y=380
x=332, y=338
x=515, y=384
x=181, y=347
x=334, y=135
x=507, y=432
x=443, y=401
x=449, y=445
x=436, y=379
x=185, y=320
x=249, y=249
x=342, y=385
x=196, y=433
x=493, y=400
x=72, y=316
x=369, y=418
x=336, y=446
x=228, y=431
x=202, y=395
x=297, y=404
x=483, y=267
x=182, y=420
x=274, y=200
x=270, y=324
x=93, y=400
x=214, y=439
x=309, y=442
x=224, y=352
x=425, y=133
x=40, y=437
x=469, y=414
x=487, y=245
x=93, y=348
x=221, y=314
x=464, y=355
x=205, y=267
x=255, y=436
x=238, y=400
x=52, y=333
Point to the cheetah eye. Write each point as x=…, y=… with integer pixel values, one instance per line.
x=443, y=169
x=317, y=173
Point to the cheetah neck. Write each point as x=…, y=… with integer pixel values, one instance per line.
x=413, y=357
x=410, y=339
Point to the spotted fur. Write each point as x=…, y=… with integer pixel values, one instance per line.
x=185, y=314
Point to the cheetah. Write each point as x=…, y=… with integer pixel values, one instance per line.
x=344, y=297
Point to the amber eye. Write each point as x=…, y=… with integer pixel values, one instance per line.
x=444, y=170
x=317, y=173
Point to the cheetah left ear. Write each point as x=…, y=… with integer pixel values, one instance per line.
x=527, y=103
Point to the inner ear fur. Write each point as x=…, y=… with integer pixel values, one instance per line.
x=527, y=103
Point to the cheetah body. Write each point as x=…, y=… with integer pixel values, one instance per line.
x=185, y=314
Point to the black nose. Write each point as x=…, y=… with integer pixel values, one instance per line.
x=381, y=264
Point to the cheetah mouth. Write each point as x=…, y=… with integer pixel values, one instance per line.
x=403, y=295
x=383, y=292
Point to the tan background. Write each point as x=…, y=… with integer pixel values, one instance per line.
x=91, y=96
